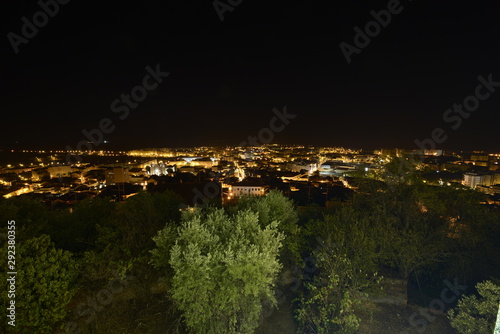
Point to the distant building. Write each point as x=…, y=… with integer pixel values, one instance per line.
x=479, y=157
x=473, y=180
x=248, y=155
x=188, y=169
x=247, y=188
x=392, y=151
x=388, y=152
x=39, y=174
x=59, y=171
x=117, y=175
x=433, y=152
x=18, y=191
x=298, y=166
x=203, y=162
x=331, y=168
x=491, y=190
x=160, y=169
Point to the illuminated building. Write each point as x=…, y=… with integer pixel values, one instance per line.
x=473, y=180
x=117, y=175
x=247, y=188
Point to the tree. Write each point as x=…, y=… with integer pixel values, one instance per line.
x=45, y=284
x=346, y=232
x=274, y=206
x=76, y=230
x=328, y=304
x=346, y=261
x=473, y=230
x=410, y=235
x=401, y=170
x=31, y=216
x=124, y=242
x=477, y=315
x=224, y=268
x=143, y=215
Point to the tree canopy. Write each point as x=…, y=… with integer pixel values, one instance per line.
x=224, y=268
x=45, y=284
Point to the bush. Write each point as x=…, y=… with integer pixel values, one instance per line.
x=224, y=268
x=44, y=285
x=477, y=315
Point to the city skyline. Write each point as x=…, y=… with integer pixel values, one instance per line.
x=230, y=166
x=226, y=77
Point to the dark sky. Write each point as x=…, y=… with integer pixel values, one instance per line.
x=226, y=77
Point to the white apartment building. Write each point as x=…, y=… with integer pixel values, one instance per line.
x=251, y=190
x=473, y=180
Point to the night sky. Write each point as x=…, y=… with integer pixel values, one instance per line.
x=227, y=76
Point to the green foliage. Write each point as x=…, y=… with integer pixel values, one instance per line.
x=346, y=260
x=31, y=216
x=409, y=236
x=477, y=315
x=401, y=171
x=143, y=215
x=124, y=242
x=165, y=240
x=274, y=206
x=347, y=233
x=224, y=268
x=45, y=284
x=76, y=230
x=472, y=228
x=327, y=306
x=106, y=260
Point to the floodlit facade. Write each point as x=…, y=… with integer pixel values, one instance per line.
x=473, y=180
x=59, y=171
x=250, y=190
x=117, y=175
x=159, y=169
